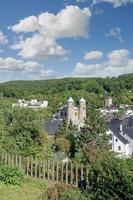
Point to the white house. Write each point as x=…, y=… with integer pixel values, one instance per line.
x=33, y=104
x=121, y=132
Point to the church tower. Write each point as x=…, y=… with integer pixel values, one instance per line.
x=70, y=111
x=108, y=102
x=82, y=110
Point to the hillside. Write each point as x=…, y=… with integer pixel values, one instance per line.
x=57, y=91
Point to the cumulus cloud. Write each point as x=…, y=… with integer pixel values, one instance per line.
x=28, y=24
x=39, y=46
x=3, y=39
x=115, y=3
x=30, y=68
x=118, y=62
x=92, y=55
x=48, y=28
x=115, y=32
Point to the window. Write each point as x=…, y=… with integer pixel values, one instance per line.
x=61, y=113
x=75, y=113
x=119, y=148
x=116, y=140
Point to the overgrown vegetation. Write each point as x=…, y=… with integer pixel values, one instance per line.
x=10, y=175
x=21, y=133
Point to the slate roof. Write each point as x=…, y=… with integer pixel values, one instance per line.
x=50, y=126
x=127, y=127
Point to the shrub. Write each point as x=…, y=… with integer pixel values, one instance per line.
x=62, y=145
x=62, y=191
x=110, y=178
x=73, y=194
x=10, y=175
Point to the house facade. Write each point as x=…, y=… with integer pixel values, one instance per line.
x=33, y=104
x=121, y=132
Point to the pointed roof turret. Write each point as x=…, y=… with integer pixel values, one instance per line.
x=70, y=99
x=82, y=100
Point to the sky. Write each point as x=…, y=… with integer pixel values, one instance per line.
x=46, y=39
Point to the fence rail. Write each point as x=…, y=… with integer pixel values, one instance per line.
x=67, y=172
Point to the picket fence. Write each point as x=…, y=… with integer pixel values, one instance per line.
x=68, y=172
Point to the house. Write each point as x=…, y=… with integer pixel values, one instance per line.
x=68, y=112
x=111, y=109
x=33, y=104
x=121, y=132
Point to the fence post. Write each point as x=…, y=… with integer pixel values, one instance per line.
x=12, y=160
x=71, y=172
x=82, y=172
x=62, y=171
x=16, y=160
x=57, y=171
x=53, y=170
x=27, y=166
x=31, y=166
x=44, y=170
x=48, y=167
x=40, y=169
x=19, y=162
x=35, y=167
x=66, y=174
x=76, y=174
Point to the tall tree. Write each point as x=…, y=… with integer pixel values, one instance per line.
x=94, y=130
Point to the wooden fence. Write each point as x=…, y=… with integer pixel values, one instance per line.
x=67, y=172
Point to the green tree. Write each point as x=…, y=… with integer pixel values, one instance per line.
x=24, y=132
x=94, y=131
x=110, y=178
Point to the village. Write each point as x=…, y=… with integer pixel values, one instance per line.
x=119, y=127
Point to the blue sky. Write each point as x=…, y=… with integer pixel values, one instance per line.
x=41, y=39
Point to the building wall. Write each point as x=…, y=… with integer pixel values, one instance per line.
x=74, y=114
x=108, y=102
x=118, y=146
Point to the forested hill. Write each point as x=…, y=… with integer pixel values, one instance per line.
x=57, y=91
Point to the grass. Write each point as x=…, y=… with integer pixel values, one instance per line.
x=31, y=189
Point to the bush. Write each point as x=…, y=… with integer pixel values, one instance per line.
x=111, y=179
x=10, y=175
x=62, y=191
x=62, y=145
x=73, y=194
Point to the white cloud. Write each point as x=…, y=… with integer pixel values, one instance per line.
x=92, y=55
x=116, y=3
x=118, y=63
x=39, y=46
x=12, y=64
x=28, y=24
x=30, y=68
x=3, y=39
x=47, y=28
x=80, y=1
x=115, y=32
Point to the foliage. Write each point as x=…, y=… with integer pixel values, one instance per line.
x=94, y=131
x=62, y=145
x=110, y=178
x=10, y=175
x=63, y=192
x=24, y=133
x=30, y=189
x=73, y=194
x=56, y=91
x=62, y=129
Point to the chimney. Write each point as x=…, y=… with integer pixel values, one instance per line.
x=121, y=128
